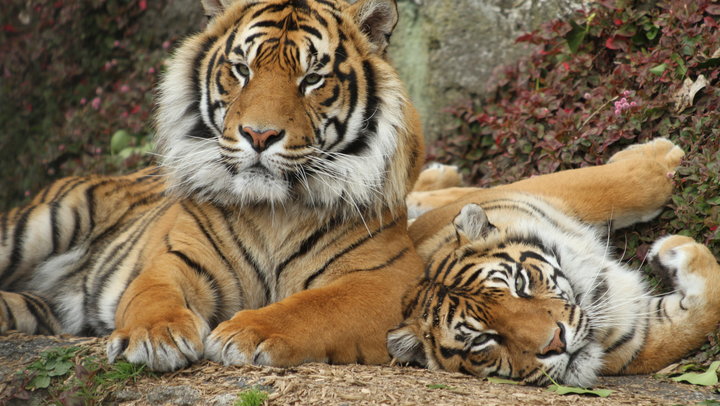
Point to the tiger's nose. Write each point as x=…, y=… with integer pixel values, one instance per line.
x=259, y=139
x=557, y=344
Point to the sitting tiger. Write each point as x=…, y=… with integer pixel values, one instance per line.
x=274, y=229
x=520, y=282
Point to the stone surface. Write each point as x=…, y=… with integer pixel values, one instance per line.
x=180, y=395
x=446, y=50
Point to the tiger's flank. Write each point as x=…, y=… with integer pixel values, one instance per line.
x=272, y=231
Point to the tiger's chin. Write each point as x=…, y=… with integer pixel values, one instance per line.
x=258, y=186
x=582, y=367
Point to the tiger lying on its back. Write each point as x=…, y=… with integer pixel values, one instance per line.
x=520, y=282
x=276, y=218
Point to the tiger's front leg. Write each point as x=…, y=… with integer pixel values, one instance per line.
x=345, y=321
x=155, y=321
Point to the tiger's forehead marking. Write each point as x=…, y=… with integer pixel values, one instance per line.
x=291, y=33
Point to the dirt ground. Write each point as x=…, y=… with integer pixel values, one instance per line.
x=208, y=383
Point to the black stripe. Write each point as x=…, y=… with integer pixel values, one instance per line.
x=268, y=23
x=330, y=100
x=272, y=8
x=16, y=254
x=530, y=254
x=386, y=263
x=11, y=322
x=200, y=129
x=347, y=249
x=439, y=268
x=309, y=243
x=311, y=30
x=211, y=107
x=504, y=256
x=229, y=41
x=259, y=274
x=77, y=226
x=622, y=340
x=116, y=255
x=54, y=227
x=41, y=312
x=460, y=274
x=215, y=319
x=249, y=39
x=329, y=4
x=212, y=237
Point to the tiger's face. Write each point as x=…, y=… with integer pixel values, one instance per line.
x=282, y=101
x=497, y=305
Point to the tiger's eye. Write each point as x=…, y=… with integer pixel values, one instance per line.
x=312, y=79
x=242, y=70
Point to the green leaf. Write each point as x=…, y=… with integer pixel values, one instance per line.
x=61, y=368
x=119, y=141
x=503, y=381
x=714, y=201
x=681, y=69
x=658, y=70
x=572, y=390
x=707, y=378
x=39, y=382
x=575, y=37
x=651, y=33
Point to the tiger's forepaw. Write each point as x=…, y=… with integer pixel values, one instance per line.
x=686, y=266
x=659, y=149
x=162, y=346
x=246, y=339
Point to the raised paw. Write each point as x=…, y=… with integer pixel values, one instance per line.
x=661, y=150
x=164, y=345
x=686, y=266
x=248, y=339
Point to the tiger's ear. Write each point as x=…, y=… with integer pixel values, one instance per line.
x=215, y=7
x=472, y=224
x=405, y=345
x=377, y=20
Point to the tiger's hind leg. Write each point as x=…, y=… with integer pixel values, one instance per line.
x=28, y=313
x=436, y=186
x=631, y=188
x=679, y=321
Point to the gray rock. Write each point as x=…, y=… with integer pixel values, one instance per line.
x=180, y=395
x=446, y=50
x=227, y=399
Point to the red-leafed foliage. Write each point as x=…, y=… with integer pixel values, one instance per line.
x=73, y=74
x=594, y=83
